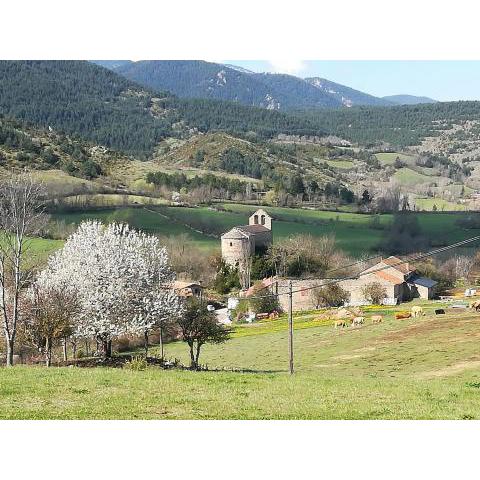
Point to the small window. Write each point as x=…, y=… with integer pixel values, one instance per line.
x=231, y=244
x=255, y=219
x=263, y=219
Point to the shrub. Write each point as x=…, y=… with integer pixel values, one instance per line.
x=266, y=302
x=137, y=363
x=374, y=292
x=123, y=344
x=330, y=296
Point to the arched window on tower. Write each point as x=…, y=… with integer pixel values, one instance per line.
x=255, y=219
x=263, y=219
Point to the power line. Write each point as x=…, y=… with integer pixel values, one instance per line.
x=400, y=262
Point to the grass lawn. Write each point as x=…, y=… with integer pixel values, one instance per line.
x=427, y=368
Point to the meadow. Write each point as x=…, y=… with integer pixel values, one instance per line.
x=427, y=368
x=354, y=233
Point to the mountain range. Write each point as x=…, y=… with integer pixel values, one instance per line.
x=408, y=99
x=200, y=79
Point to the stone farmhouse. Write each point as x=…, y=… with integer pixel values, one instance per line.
x=243, y=241
x=401, y=282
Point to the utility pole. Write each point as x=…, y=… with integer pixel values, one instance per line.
x=290, y=326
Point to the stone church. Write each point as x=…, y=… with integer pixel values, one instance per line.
x=243, y=241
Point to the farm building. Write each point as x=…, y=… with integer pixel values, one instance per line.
x=401, y=283
x=241, y=242
x=187, y=289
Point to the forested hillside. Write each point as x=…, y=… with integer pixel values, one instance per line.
x=399, y=125
x=25, y=146
x=84, y=99
x=199, y=79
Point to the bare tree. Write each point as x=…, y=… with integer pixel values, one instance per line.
x=21, y=215
x=374, y=292
x=245, y=266
x=50, y=318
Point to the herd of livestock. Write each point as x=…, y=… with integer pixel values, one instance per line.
x=415, y=311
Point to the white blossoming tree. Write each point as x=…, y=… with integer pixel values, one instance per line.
x=121, y=277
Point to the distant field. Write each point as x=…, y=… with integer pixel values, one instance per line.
x=353, y=232
x=407, y=176
x=442, y=205
x=389, y=158
x=426, y=368
x=342, y=164
x=142, y=219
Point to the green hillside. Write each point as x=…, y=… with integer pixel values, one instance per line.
x=411, y=369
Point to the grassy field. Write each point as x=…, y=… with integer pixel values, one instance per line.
x=341, y=164
x=142, y=219
x=407, y=176
x=427, y=368
x=354, y=233
x=442, y=205
x=389, y=158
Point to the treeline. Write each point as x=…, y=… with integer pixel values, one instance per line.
x=215, y=115
x=177, y=181
x=399, y=125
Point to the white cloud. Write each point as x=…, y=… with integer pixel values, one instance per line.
x=293, y=67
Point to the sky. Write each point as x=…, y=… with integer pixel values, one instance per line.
x=442, y=80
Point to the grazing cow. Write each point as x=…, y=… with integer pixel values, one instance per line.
x=340, y=323
x=357, y=321
x=402, y=315
x=377, y=319
x=475, y=305
x=417, y=311
x=440, y=311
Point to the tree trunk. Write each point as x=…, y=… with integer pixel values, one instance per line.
x=10, y=344
x=160, y=340
x=145, y=342
x=74, y=349
x=65, y=357
x=193, y=364
x=106, y=349
x=48, y=352
x=199, y=346
x=87, y=347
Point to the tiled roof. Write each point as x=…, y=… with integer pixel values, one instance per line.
x=404, y=268
x=389, y=278
x=253, y=229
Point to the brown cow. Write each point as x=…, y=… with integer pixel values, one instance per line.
x=402, y=315
x=377, y=319
x=475, y=305
x=340, y=323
